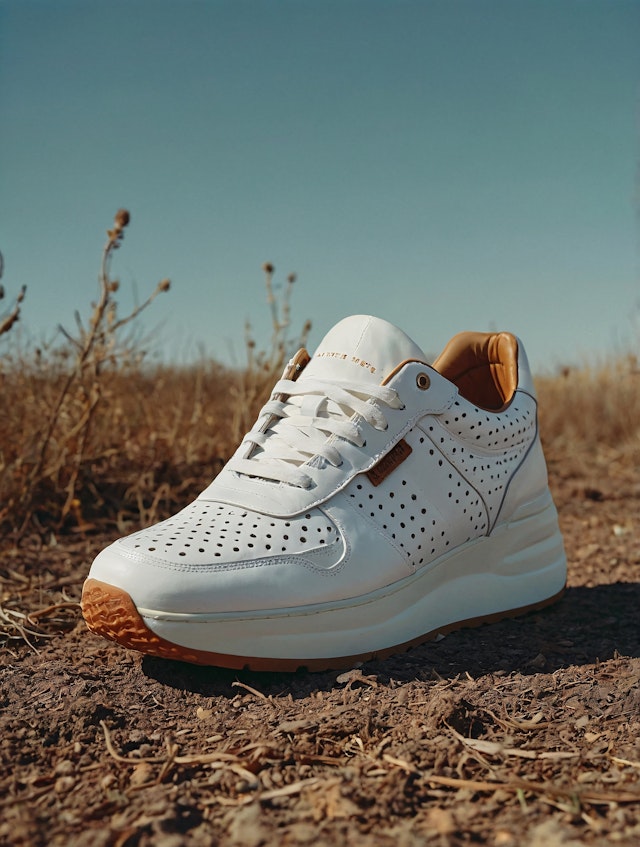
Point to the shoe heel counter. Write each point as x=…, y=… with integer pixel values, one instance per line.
x=531, y=478
x=528, y=482
x=525, y=379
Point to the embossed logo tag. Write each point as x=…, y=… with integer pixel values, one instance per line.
x=389, y=463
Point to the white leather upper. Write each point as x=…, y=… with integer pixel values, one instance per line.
x=249, y=543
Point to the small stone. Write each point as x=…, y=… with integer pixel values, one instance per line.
x=64, y=768
x=64, y=784
x=141, y=774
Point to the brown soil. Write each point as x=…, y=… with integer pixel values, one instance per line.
x=524, y=733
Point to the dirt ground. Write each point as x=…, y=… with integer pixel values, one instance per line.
x=524, y=733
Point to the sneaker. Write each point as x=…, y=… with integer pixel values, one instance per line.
x=377, y=502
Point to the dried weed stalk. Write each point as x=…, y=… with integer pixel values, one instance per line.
x=68, y=413
x=265, y=366
x=95, y=437
x=10, y=317
x=24, y=618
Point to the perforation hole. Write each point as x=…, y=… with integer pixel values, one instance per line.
x=230, y=534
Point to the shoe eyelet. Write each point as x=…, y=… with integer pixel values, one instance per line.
x=422, y=381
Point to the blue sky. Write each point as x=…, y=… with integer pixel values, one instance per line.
x=445, y=164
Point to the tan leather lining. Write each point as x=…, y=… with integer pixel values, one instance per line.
x=398, y=368
x=296, y=365
x=483, y=365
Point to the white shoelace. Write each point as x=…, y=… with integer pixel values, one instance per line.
x=309, y=423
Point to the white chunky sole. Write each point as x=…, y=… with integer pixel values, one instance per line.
x=521, y=566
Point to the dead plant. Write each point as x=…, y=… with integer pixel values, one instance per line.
x=68, y=412
x=10, y=317
x=264, y=366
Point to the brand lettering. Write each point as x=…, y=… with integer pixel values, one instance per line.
x=389, y=463
x=332, y=354
x=371, y=368
x=329, y=354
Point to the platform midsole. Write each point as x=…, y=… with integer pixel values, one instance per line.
x=520, y=565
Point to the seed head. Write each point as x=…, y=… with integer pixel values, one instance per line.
x=164, y=285
x=268, y=268
x=122, y=218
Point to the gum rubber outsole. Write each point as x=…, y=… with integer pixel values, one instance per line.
x=110, y=612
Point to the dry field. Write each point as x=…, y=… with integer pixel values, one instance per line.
x=525, y=733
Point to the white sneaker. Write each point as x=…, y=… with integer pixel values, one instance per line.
x=376, y=502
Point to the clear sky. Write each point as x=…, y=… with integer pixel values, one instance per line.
x=445, y=164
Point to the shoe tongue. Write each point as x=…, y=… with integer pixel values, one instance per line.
x=363, y=349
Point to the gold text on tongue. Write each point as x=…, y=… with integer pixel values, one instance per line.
x=332, y=354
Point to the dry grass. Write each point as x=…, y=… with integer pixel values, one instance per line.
x=592, y=410
x=162, y=434
x=91, y=436
x=53, y=401
x=12, y=315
